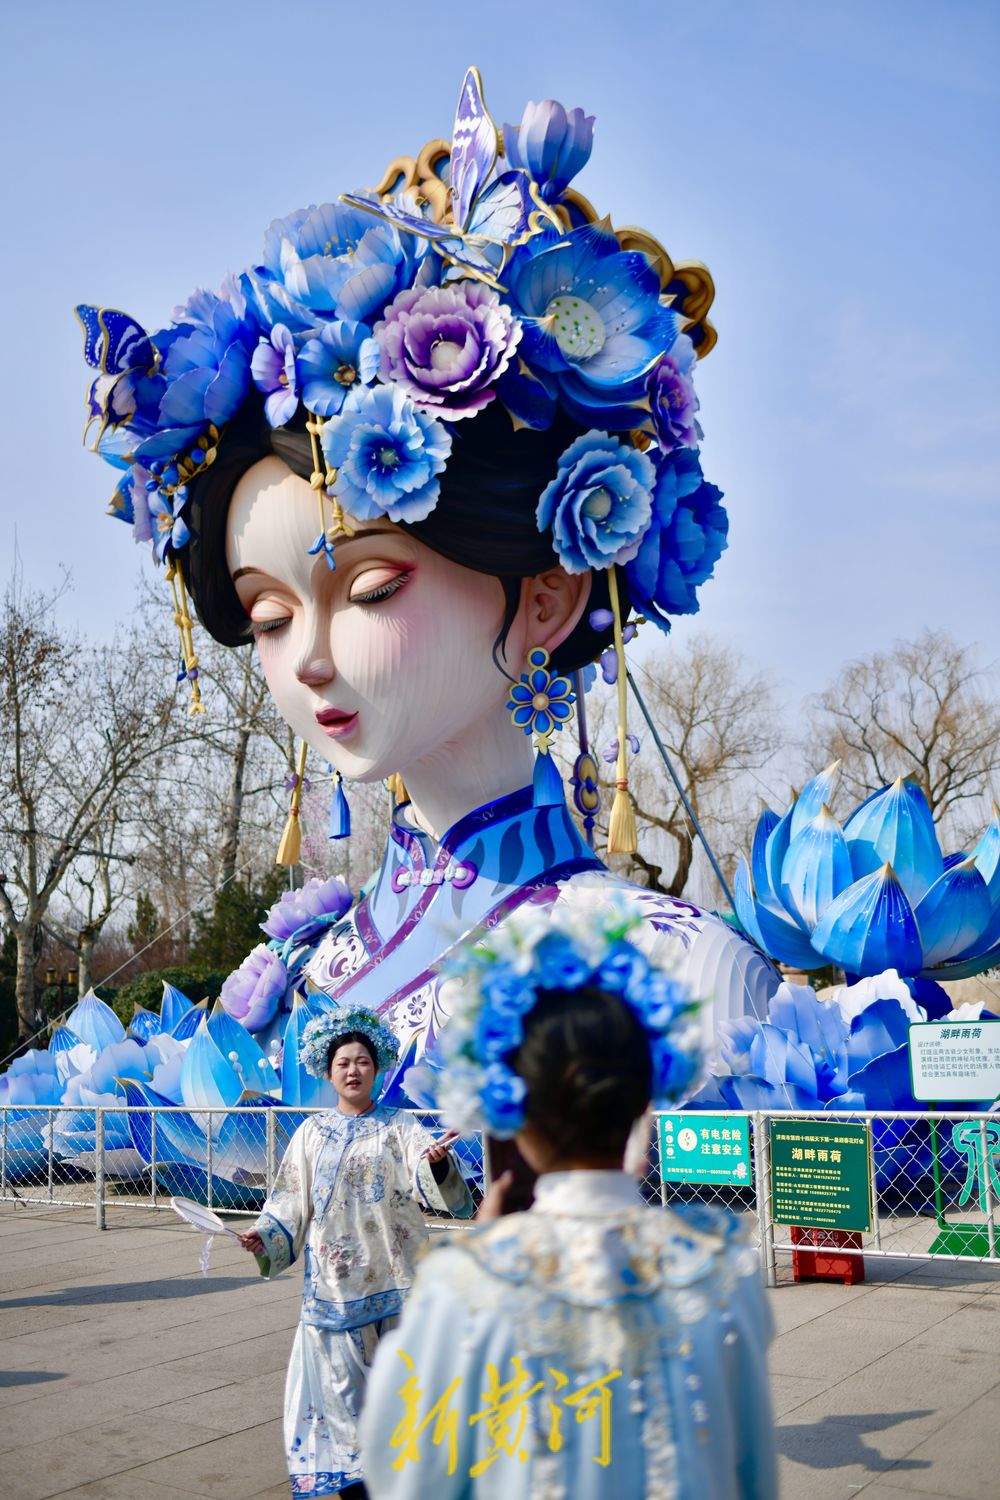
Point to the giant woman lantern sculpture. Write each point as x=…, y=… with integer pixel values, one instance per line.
x=430, y=453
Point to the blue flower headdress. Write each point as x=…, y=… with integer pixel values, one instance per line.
x=321, y=1031
x=473, y=273
x=496, y=985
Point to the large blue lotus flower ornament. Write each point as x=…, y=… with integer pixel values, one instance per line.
x=594, y=329
x=876, y=893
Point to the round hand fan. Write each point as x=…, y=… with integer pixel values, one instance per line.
x=201, y=1217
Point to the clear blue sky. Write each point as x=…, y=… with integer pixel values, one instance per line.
x=833, y=163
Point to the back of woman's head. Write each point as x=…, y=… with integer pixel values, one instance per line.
x=586, y=1065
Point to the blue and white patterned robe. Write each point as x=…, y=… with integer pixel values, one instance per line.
x=592, y=1348
x=347, y=1199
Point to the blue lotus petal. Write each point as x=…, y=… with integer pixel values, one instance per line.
x=883, y=1084
x=816, y=868
x=766, y=824
x=144, y=1024
x=880, y=1028
x=769, y=890
x=954, y=913
x=95, y=1023
x=813, y=796
x=242, y=1052
x=63, y=1040
x=777, y=936
x=987, y=857
x=896, y=827
x=870, y=927
x=189, y=1022
x=753, y=1092
x=173, y=1005
x=208, y=1081
x=298, y=1086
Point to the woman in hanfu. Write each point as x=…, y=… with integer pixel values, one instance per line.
x=593, y=1347
x=429, y=453
x=347, y=1198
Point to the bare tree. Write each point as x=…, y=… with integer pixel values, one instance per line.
x=926, y=708
x=94, y=886
x=82, y=725
x=720, y=725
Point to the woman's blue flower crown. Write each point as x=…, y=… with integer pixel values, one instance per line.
x=472, y=274
x=321, y=1031
x=496, y=985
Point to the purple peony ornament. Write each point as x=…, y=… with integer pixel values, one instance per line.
x=305, y=912
x=445, y=346
x=253, y=992
x=672, y=399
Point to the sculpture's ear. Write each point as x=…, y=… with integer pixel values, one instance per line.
x=552, y=604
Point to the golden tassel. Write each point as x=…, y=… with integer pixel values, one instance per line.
x=622, y=838
x=321, y=479
x=397, y=788
x=290, y=848
x=185, y=630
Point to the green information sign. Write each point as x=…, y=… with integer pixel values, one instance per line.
x=704, y=1148
x=821, y=1174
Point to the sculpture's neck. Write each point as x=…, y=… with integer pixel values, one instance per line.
x=490, y=761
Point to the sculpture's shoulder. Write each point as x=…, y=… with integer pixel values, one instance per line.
x=340, y=953
x=712, y=958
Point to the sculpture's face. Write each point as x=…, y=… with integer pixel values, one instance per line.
x=379, y=663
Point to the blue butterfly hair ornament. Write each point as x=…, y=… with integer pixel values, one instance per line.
x=472, y=273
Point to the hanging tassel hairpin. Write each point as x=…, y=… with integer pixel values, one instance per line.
x=321, y=479
x=621, y=827
x=541, y=704
x=290, y=848
x=584, y=780
x=340, y=812
x=188, y=670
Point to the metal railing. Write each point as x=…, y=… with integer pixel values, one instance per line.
x=933, y=1179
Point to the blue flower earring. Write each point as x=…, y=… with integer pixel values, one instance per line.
x=340, y=813
x=540, y=704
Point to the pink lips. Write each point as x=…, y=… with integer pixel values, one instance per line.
x=335, y=722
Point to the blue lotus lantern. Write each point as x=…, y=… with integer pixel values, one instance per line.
x=874, y=894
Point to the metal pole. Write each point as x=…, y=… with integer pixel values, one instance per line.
x=50, y=1157
x=767, y=1227
x=99, y=1175
x=873, y=1191
x=153, y=1116
x=680, y=790
x=991, y=1228
x=272, y=1149
x=208, y=1159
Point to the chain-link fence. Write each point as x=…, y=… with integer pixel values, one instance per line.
x=912, y=1185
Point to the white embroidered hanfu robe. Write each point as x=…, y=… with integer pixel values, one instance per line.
x=592, y=1348
x=347, y=1198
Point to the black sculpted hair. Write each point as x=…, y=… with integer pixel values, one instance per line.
x=586, y=1065
x=350, y=1036
x=484, y=519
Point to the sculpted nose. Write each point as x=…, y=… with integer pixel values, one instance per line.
x=315, y=669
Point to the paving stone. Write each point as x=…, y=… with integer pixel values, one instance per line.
x=222, y=1468
x=961, y=1455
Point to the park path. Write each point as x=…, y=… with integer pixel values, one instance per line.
x=125, y=1373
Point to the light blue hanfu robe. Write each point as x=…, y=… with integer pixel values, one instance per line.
x=591, y=1347
x=429, y=897
x=347, y=1199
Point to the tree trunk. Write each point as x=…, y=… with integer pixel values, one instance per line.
x=24, y=982
x=234, y=807
x=685, y=854
x=84, y=959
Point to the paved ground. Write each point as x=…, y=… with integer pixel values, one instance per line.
x=124, y=1373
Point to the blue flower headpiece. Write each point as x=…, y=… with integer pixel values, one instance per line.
x=496, y=985
x=474, y=273
x=321, y=1031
